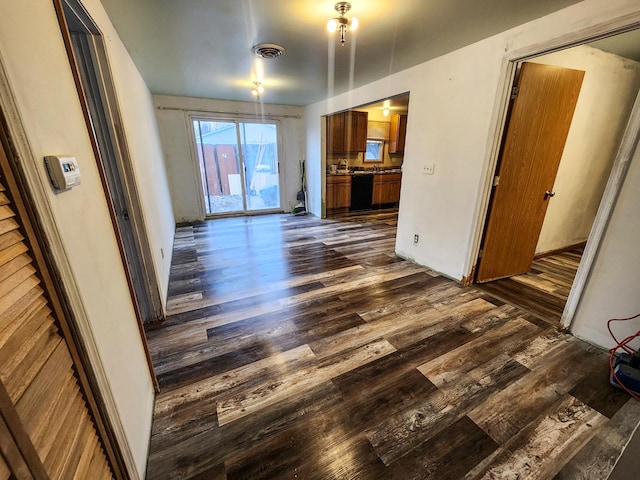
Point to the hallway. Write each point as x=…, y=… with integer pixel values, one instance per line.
x=304, y=348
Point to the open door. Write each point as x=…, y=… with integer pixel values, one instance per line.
x=534, y=140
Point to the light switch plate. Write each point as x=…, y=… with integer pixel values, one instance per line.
x=427, y=168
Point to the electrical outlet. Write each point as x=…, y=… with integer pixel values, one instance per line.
x=427, y=168
x=416, y=238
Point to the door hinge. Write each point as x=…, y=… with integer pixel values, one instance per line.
x=481, y=253
x=514, y=92
x=496, y=181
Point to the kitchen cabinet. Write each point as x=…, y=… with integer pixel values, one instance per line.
x=347, y=132
x=397, y=133
x=338, y=191
x=386, y=188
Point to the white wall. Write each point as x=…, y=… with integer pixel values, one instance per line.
x=182, y=168
x=453, y=104
x=612, y=291
x=606, y=98
x=33, y=53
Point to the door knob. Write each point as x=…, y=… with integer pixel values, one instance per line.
x=549, y=194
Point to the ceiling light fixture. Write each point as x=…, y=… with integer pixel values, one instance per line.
x=257, y=89
x=341, y=23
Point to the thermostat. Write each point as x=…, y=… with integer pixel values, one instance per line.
x=63, y=171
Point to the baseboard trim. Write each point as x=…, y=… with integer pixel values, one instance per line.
x=568, y=248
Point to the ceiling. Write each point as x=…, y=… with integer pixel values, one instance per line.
x=202, y=48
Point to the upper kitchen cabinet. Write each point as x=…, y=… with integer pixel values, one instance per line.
x=347, y=132
x=397, y=133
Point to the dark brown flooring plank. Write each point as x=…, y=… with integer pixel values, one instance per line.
x=449, y=455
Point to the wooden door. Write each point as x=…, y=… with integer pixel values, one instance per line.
x=534, y=140
x=397, y=134
x=343, y=194
x=336, y=133
x=44, y=423
x=355, y=131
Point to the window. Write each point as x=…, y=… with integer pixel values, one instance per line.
x=375, y=151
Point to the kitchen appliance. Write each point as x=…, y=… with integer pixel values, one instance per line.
x=333, y=169
x=361, y=192
x=343, y=165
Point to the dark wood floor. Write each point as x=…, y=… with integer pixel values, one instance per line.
x=542, y=291
x=301, y=348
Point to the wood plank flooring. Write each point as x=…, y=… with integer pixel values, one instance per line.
x=301, y=348
x=543, y=290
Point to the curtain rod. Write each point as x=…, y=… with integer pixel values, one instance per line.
x=195, y=110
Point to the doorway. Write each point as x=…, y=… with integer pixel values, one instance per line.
x=90, y=67
x=88, y=57
x=591, y=163
x=239, y=166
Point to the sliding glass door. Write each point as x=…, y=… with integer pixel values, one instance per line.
x=238, y=165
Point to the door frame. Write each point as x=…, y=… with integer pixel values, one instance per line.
x=191, y=116
x=145, y=294
x=114, y=164
x=619, y=169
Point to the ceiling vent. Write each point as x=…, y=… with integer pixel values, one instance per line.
x=268, y=50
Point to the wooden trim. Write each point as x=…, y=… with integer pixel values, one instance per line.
x=103, y=178
x=19, y=453
x=92, y=377
x=10, y=454
x=556, y=251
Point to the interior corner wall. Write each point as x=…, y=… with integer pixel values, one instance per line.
x=608, y=91
x=173, y=112
x=37, y=67
x=453, y=104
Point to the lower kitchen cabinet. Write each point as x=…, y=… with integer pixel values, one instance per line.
x=338, y=191
x=386, y=188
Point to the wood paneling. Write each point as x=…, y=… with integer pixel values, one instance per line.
x=304, y=348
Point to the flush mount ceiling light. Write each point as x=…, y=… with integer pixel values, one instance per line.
x=257, y=89
x=268, y=50
x=341, y=23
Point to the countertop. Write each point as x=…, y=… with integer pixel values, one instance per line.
x=365, y=172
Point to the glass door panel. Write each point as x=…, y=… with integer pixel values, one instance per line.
x=238, y=165
x=217, y=146
x=260, y=154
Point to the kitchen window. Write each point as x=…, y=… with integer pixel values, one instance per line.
x=375, y=151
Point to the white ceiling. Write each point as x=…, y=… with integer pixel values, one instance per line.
x=202, y=48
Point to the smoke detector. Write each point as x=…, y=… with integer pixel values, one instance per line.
x=268, y=50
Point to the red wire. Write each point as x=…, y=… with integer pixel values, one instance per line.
x=622, y=345
x=626, y=349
